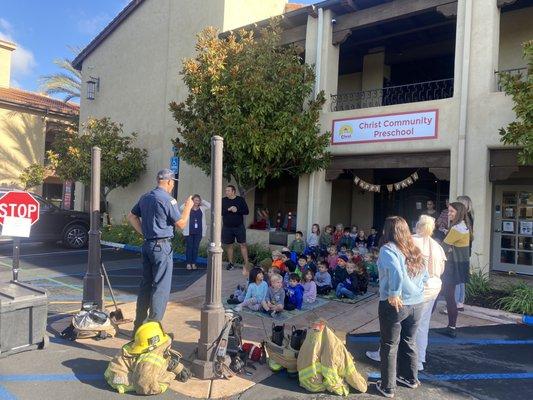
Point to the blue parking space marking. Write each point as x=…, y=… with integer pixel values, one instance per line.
x=464, y=377
x=51, y=378
x=5, y=394
x=450, y=341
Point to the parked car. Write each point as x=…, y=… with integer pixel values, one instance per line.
x=55, y=224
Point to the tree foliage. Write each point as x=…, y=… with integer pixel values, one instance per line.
x=121, y=162
x=520, y=132
x=257, y=95
x=34, y=175
x=67, y=82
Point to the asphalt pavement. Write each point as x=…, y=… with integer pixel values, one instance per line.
x=60, y=272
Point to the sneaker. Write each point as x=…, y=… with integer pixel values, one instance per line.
x=410, y=383
x=451, y=332
x=389, y=393
x=374, y=355
x=230, y=266
x=460, y=308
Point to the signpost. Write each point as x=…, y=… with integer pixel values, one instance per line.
x=18, y=212
x=175, y=167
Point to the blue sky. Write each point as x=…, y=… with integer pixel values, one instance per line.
x=44, y=29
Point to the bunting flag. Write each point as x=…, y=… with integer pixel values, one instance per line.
x=410, y=180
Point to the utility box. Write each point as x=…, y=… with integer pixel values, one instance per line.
x=23, y=314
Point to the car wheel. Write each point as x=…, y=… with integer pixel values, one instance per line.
x=76, y=237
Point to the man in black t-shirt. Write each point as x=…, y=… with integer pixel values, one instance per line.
x=233, y=210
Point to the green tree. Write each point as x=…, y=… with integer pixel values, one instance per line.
x=34, y=175
x=520, y=132
x=257, y=95
x=121, y=162
x=67, y=82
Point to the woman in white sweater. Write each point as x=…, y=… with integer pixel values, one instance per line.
x=195, y=230
x=435, y=261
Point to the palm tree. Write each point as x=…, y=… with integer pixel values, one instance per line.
x=67, y=82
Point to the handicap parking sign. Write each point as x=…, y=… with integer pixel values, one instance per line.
x=175, y=164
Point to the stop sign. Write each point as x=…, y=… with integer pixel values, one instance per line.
x=19, y=204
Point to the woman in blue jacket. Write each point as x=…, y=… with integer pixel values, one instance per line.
x=402, y=273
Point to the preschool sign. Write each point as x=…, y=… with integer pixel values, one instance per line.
x=384, y=128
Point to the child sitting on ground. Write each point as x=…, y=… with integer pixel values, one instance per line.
x=372, y=240
x=339, y=273
x=348, y=287
x=275, y=298
x=302, y=262
x=339, y=231
x=323, y=279
x=309, y=287
x=361, y=238
x=332, y=257
x=298, y=244
x=311, y=262
x=346, y=240
x=291, y=269
x=277, y=261
x=271, y=271
x=294, y=294
x=362, y=278
x=313, y=239
x=371, y=265
x=325, y=240
x=256, y=292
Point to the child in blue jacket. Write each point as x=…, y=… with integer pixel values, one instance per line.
x=295, y=293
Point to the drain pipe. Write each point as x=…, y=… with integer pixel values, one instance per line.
x=463, y=105
x=318, y=66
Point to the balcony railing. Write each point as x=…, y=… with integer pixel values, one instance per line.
x=522, y=72
x=412, y=93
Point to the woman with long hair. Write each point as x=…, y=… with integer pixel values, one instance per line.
x=402, y=273
x=457, y=247
x=460, y=290
x=435, y=260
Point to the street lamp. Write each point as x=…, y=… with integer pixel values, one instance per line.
x=93, y=86
x=212, y=314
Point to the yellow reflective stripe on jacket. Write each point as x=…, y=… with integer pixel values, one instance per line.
x=152, y=359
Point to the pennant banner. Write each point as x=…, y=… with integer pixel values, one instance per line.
x=410, y=180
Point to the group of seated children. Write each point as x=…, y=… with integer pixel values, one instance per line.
x=289, y=285
x=342, y=238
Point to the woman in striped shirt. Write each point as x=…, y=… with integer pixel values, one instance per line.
x=456, y=244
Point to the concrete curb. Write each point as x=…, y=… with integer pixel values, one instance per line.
x=498, y=316
x=137, y=249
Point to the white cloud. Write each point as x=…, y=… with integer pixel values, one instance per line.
x=22, y=59
x=93, y=26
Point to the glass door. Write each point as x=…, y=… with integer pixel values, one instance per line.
x=513, y=229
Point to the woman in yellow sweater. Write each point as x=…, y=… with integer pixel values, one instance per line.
x=456, y=244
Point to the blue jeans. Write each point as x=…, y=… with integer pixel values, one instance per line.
x=343, y=291
x=156, y=282
x=192, y=243
x=460, y=293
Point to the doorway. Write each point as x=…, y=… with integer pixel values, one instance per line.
x=512, y=224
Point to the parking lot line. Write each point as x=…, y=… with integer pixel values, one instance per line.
x=5, y=394
x=53, y=253
x=79, y=288
x=464, y=377
x=449, y=341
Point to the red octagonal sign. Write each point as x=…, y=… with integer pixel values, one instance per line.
x=19, y=204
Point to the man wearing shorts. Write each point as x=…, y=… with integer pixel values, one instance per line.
x=233, y=210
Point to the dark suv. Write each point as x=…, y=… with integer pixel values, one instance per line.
x=55, y=224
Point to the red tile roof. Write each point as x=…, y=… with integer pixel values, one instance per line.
x=293, y=6
x=23, y=99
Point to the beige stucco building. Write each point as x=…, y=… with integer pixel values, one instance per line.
x=28, y=124
x=420, y=71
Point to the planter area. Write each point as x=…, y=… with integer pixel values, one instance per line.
x=123, y=236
